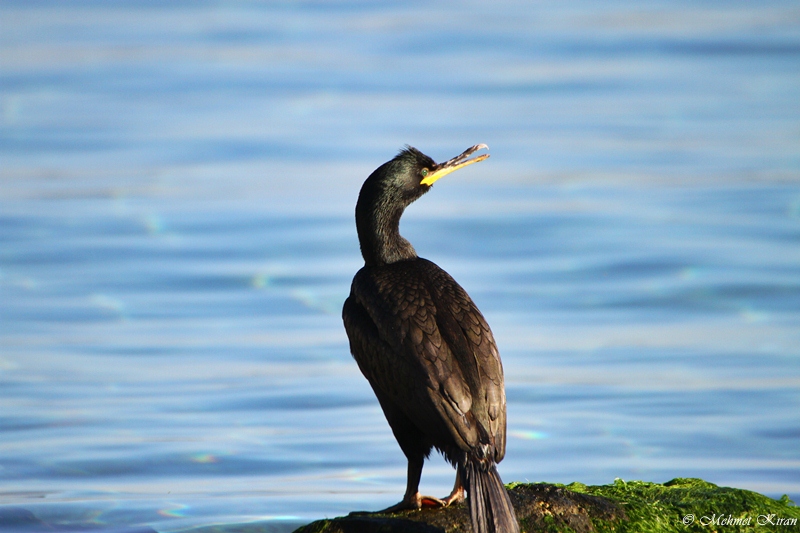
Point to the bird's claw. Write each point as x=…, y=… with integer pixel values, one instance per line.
x=415, y=502
x=457, y=496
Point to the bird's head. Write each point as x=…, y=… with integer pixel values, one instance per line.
x=411, y=173
x=389, y=190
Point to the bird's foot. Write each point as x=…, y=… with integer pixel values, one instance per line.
x=413, y=502
x=418, y=501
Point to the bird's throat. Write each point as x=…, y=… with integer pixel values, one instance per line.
x=379, y=236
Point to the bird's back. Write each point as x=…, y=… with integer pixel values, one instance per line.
x=421, y=341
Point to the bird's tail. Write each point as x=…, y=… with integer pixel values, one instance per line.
x=489, y=505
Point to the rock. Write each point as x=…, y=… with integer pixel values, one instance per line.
x=356, y=523
x=680, y=505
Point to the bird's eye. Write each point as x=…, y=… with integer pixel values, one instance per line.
x=424, y=172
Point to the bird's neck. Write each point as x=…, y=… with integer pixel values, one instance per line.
x=379, y=234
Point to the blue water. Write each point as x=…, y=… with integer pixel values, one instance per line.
x=177, y=183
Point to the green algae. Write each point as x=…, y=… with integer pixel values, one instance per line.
x=692, y=505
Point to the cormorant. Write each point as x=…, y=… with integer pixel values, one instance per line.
x=426, y=349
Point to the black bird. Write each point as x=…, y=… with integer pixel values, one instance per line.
x=426, y=349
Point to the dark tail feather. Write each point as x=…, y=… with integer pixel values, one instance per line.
x=489, y=505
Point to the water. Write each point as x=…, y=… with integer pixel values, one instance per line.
x=177, y=238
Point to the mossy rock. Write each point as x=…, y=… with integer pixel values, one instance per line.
x=681, y=505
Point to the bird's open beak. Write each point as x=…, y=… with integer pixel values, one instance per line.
x=457, y=162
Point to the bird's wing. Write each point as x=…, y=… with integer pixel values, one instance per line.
x=472, y=343
x=390, y=319
x=426, y=362
x=394, y=377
